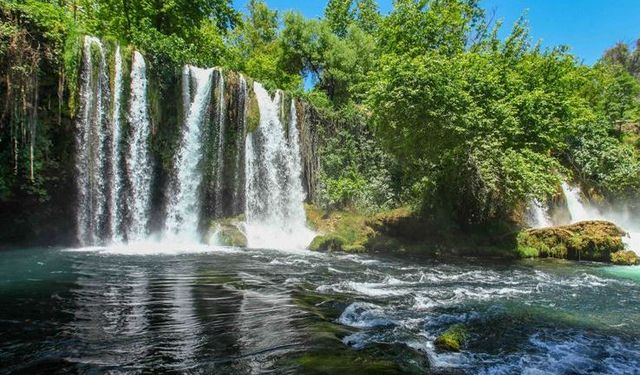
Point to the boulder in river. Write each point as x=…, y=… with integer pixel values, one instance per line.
x=625, y=258
x=327, y=242
x=587, y=240
x=228, y=232
x=452, y=339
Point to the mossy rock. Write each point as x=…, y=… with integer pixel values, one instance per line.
x=253, y=113
x=328, y=242
x=227, y=232
x=231, y=236
x=343, y=230
x=587, y=240
x=354, y=248
x=452, y=339
x=383, y=243
x=625, y=258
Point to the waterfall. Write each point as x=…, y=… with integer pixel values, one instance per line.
x=184, y=206
x=275, y=214
x=582, y=212
x=115, y=215
x=238, y=177
x=92, y=141
x=138, y=161
x=219, y=169
x=577, y=210
x=537, y=216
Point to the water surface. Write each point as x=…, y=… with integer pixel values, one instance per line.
x=240, y=312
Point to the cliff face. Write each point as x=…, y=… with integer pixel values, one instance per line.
x=309, y=122
x=36, y=151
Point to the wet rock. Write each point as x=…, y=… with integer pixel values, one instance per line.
x=587, y=240
x=354, y=248
x=625, y=258
x=227, y=232
x=452, y=339
x=327, y=242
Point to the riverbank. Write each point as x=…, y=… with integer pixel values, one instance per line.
x=402, y=231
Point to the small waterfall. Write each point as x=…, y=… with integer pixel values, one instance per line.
x=582, y=212
x=115, y=215
x=577, y=210
x=93, y=140
x=274, y=194
x=184, y=206
x=138, y=161
x=238, y=177
x=537, y=216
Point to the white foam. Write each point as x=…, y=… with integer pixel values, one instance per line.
x=366, y=289
x=153, y=247
x=364, y=315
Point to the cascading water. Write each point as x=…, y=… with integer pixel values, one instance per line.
x=184, y=205
x=238, y=177
x=138, y=161
x=259, y=174
x=537, y=216
x=582, y=212
x=275, y=214
x=577, y=210
x=93, y=141
x=115, y=215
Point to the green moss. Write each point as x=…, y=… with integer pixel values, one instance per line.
x=354, y=248
x=329, y=242
x=381, y=242
x=588, y=240
x=346, y=227
x=452, y=339
x=72, y=56
x=625, y=257
x=253, y=113
x=528, y=252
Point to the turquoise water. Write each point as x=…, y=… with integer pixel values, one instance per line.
x=238, y=312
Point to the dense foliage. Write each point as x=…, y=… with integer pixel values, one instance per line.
x=425, y=105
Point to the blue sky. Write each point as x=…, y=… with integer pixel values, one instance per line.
x=587, y=26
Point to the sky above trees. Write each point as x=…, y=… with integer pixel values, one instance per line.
x=588, y=26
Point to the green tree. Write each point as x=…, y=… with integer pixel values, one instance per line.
x=622, y=55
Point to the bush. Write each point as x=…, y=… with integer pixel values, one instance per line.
x=587, y=240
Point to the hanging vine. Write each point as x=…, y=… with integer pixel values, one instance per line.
x=20, y=59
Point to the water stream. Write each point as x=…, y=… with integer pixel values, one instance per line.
x=93, y=138
x=537, y=215
x=184, y=201
x=115, y=214
x=581, y=210
x=138, y=161
x=274, y=193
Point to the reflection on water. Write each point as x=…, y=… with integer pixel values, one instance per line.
x=243, y=312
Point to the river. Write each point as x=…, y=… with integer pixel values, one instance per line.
x=231, y=311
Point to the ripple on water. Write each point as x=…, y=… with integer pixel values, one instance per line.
x=223, y=310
